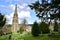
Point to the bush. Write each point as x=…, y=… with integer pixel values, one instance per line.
x=35, y=29
x=51, y=35
x=56, y=26
x=21, y=29
x=2, y=20
x=2, y=23
x=23, y=26
x=44, y=28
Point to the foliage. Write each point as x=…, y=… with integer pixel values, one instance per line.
x=41, y=37
x=35, y=29
x=2, y=20
x=24, y=22
x=30, y=37
x=44, y=28
x=46, y=8
x=56, y=26
x=23, y=26
x=59, y=27
x=21, y=29
x=2, y=23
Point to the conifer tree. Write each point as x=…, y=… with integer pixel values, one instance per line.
x=35, y=29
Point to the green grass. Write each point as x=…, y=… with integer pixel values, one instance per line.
x=29, y=37
x=4, y=37
x=41, y=37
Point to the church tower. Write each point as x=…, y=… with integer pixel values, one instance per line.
x=15, y=20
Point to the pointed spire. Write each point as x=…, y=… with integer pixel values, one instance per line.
x=15, y=12
x=16, y=8
x=15, y=20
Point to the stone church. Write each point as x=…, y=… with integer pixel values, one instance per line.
x=15, y=26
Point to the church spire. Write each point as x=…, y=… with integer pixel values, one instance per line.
x=16, y=8
x=15, y=12
x=15, y=20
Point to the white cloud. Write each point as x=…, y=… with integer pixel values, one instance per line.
x=9, y=18
x=24, y=4
x=23, y=14
x=11, y=7
x=20, y=6
x=28, y=8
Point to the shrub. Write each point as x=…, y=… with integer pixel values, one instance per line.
x=51, y=35
x=35, y=29
x=2, y=23
x=23, y=26
x=56, y=26
x=44, y=28
x=21, y=29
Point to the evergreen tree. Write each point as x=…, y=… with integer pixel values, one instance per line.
x=46, y=8
x=44, y=28
x=2, y=20
x=56, y=26
x=35, y=29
